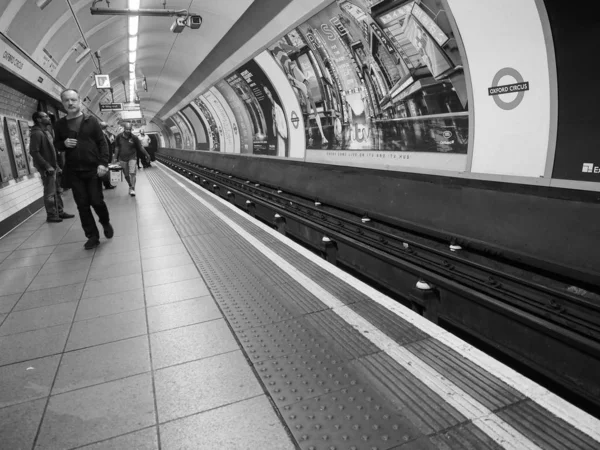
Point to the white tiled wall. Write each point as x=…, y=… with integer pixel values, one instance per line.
x=18, y=194
x=15, y=104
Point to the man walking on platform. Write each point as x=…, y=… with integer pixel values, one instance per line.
x=126, y=147
x=45, y=161
x=145, y=141
x=106, y=179
x=80, y=136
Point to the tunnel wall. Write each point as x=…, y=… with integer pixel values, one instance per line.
x=412, y=86
x=471, y=119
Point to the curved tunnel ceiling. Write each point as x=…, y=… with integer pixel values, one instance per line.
x=176, y=66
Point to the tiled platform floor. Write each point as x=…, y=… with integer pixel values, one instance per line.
x=121, y=347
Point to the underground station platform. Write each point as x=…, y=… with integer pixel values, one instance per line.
x=199, y=327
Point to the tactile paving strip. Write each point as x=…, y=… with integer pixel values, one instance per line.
x=351, y=418
x=296, y=377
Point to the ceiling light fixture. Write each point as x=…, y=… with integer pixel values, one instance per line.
x=133, y=43
x=134, y=23
x=132, y=57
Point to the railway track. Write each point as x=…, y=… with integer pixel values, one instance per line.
x=544, y=322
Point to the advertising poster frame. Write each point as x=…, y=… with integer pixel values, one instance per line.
x=215, y=123
x=209, y=133
x=361, y=115
x=215, y=137
x=25, y=130
x=192, y=116
x=6, y=169
x=226, y=119
x=240, y=114
x=296, y=138
x=187, y=130
x=262, y=100
x=19, y=158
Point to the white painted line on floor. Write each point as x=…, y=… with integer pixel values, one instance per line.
x=559, y=407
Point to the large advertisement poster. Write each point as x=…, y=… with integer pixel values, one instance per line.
x=269, y=124
x=188, y=140
x=241, y=114
x=24, y=127
x=214, y=132
x=17, y=147
x=5, y=168
x=231, y=141
x=380, y=85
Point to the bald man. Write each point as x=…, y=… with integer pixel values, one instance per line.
x=111, y=150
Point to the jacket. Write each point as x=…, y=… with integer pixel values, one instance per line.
x=41, y=149
x=128, y=148
x=91, y=150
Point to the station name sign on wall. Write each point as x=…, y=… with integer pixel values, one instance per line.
x=21, y=65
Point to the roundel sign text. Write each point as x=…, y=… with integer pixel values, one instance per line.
x=519, y=88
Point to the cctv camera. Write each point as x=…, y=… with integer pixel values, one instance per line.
x=194, y=22
x=42, y=3
x=179, y=25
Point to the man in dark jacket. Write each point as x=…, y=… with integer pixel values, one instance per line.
x=86, y=161
x=45, y=161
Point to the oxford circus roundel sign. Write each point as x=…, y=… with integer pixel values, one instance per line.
x=519, y=88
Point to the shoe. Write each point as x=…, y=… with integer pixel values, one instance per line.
x=132, y=192
x=110, y=187
x=54, y=219
x=91, y=243
x=66, y=215
x=108, y=230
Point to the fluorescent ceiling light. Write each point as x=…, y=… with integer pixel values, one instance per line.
x=133, y=44
x=132, y=57
x=134, y=22
x=132, y=75
x=134, y=4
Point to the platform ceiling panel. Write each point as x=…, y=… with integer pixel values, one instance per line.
x=29, y=26
x=52, y=38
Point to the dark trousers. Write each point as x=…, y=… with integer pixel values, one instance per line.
x=52, y=198
x=87, y=193
x=106, y=179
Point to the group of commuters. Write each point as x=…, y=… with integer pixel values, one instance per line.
x=75, y=153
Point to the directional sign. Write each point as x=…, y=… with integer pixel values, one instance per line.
x=111, y=106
